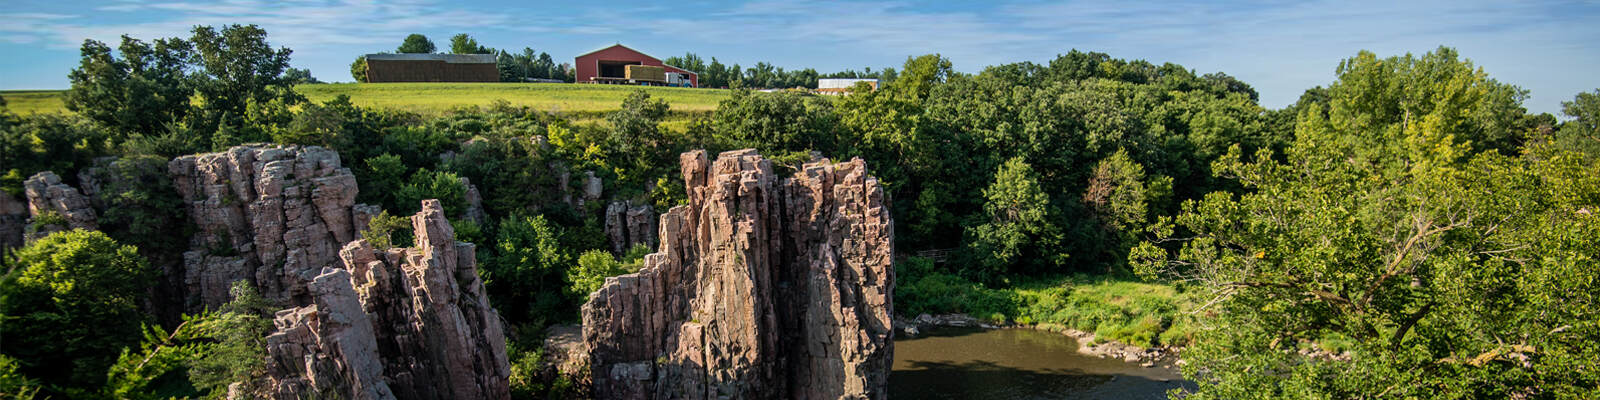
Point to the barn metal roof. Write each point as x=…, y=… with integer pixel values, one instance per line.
x=614, y=45
x=447, y=58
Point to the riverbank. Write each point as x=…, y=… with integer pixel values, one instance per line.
x=1088, y=343
x=1112, y=308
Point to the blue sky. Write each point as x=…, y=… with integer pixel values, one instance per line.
x=1280, y=47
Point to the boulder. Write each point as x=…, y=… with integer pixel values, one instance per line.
x=761, y=287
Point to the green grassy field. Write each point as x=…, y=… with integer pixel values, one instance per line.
x=581, y=101
x=33, y=101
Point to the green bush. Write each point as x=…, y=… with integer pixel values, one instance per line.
x=13, y=384
x=594, y=266
x=71, y=303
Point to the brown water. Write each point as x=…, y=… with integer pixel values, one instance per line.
x=1011, y=364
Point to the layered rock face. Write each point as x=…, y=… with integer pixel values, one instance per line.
x=274, y=215
x=409, y=323
x=48, y=195
x=628, y=225
x=761, y=288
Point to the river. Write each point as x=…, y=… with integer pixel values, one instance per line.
x=1015, y=364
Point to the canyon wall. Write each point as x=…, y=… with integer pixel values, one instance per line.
x=274, y=215
x=761, y=287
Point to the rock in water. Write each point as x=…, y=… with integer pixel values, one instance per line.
x=273, y=215
x=409, y=323
x=761, y=288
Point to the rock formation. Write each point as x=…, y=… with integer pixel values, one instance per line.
x=409, y=323
x=761, y=288
x=628, y=225
x=274, y=215
x=327, y=348
x=474, y=210
x=48, y=195
x=13, y=218
x=592, y=188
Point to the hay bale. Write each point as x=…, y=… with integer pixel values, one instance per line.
x=648, y=73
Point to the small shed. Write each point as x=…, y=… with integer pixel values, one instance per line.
x=610, y=64
x=432, y=68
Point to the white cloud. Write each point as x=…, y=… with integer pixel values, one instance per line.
x=304, y=24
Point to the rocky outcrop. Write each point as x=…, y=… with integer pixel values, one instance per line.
x=474, y=210
x=273, y=215
x=326, y=349
x=13, y=219
x=409, y=323
x=628, y=225
x=47, y=195
x=761, y=288
x=592, y=188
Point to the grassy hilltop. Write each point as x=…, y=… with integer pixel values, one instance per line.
x=432, y=98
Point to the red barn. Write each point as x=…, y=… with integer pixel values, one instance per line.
x=609, y=65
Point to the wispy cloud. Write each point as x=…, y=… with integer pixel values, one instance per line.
x=299, y=24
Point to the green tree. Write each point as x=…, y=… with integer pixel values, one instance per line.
x=13, y=384
x=526, y=274
x=71, y=303
x=416, y=43
x=51, y=142
x=594, y=266
x=463, y=43
x=1431, y=266
x=381, y=231
x=139, y=207
x=1021, y=234
x=239, y=336
x=240, y=71
x=358, y=69
x=157, y=368
x=1121, y=198
x=1582, y=133
x=775, y=122
x=441, y=185
x=637, y=142
x=297, y=76
x=383, y=176
x=145, y=89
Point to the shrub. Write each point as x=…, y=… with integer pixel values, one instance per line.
x=75, y=284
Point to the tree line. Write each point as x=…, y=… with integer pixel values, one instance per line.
x=1408, y=230
x=763, y=75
